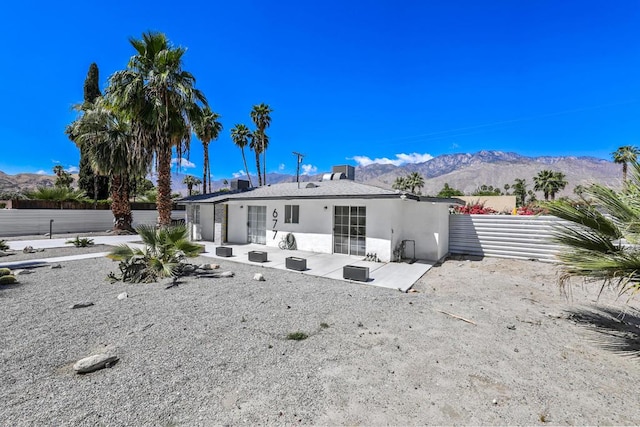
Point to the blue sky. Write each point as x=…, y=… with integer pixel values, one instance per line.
x=350, y=82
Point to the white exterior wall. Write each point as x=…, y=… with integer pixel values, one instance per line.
x=389, y=221
x=428, y=224
x=206, y=222
x=24, y=222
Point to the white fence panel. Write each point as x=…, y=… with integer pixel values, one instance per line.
x=26, y=222
x=505, y=236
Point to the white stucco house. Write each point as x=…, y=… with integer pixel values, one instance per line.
x=335, y=215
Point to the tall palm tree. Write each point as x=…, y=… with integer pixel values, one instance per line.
x=190, y=181
x=260, y=114
x=240, y=134
x=207, y=129
x=107, y=139
x=160, y=100
x=549, y=182
x=624, y=155
x=415, y=180
x=601, y=240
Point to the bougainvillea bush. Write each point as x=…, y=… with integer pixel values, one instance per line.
x=475, y=209
x=531, y=210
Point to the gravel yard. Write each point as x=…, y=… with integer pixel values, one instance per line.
x=215, y=351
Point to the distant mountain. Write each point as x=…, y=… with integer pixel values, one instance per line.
x=24, y=181
x=463, y=171
x=467, y=172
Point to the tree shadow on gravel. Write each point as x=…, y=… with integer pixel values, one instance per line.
x=618, y=330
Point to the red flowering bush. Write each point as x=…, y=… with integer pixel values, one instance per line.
x=531, y=210
x=475, y=209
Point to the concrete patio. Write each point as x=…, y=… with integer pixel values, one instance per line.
x=392, y=275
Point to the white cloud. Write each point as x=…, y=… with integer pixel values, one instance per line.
x=73, y=169
x=308, y=169
x=184, y=163
x=42, y=172
x=401, y=159
x=281, y=167
x=239, y=174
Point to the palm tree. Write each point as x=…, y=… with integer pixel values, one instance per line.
x=601, y=240
x=160, y=100
x=520, y=191
x=400, y=184
x=260, y=114
x=415, y=180
x=207, y=129
x=549, y=182
x=625, y=154
x=240, y=134
x=108, y=139
x=190, y=181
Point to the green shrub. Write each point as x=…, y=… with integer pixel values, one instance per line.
x=8, y=280
x=80, y=243
x=3, y=245
x=4, y=272
x=297, y=336
x=60, y=194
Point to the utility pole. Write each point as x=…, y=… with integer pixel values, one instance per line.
x=300, y=156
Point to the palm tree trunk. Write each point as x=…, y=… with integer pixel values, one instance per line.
x=164, y=202
x=120, y=206
x=206, y=168
x=624, y=172
x=244, y=159
x=258, y=169
x=264, y=164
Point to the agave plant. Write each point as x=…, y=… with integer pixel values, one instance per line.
x=602, y=236
x=162, y=255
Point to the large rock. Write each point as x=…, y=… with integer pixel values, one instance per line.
x=209, y=266
x=259, y=277
x=93, y=363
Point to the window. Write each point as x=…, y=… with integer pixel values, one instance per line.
x=291, y=214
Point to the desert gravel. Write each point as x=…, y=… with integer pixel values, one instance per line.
x=215, y=351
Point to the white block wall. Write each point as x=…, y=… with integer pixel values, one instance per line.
x=25, y=222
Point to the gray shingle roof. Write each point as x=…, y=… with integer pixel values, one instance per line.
x=343, y=188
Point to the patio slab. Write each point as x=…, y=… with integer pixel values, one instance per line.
x=394, y=275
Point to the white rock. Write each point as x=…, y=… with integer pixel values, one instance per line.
x=209, y=266
x=259, y=277
x=123, y=295
x=229, y=274
x=93, y=363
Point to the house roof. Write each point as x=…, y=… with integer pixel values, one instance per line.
x=336, y=189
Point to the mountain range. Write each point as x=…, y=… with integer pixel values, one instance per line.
x=463, y=171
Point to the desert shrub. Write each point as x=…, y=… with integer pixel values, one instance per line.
x=80, y=243
x=297, y=336
x=8, y=280
x=3, y=245
x=4, y=272
x=162, y=256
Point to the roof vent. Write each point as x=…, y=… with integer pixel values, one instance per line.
x=333, y=176
x=311, y=185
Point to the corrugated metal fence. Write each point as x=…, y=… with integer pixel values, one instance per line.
x=505, y=236
x=26, y=222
